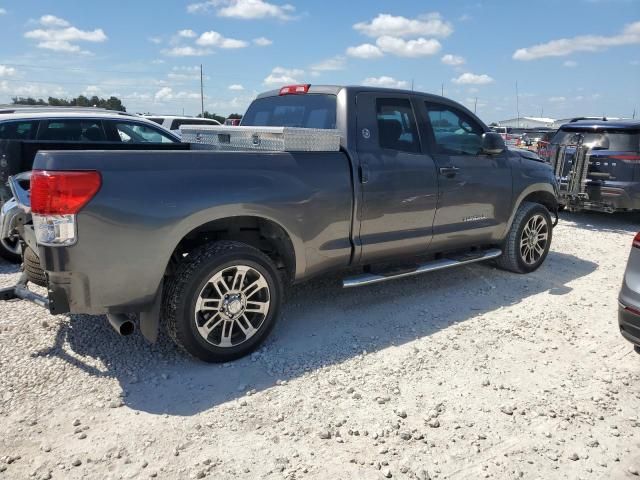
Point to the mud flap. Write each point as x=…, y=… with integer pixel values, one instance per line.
x=150, y=319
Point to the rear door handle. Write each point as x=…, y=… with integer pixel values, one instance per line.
x=449, y=171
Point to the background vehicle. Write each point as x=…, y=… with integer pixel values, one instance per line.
x=510, y=138
x=234, y=122
x=629, y=299
x=173, y=123
x=26, y=130
x=542, y=147
x=597, y=164
x=208, y=240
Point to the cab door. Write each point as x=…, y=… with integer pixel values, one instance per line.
x=475, y=194
x=398, y=179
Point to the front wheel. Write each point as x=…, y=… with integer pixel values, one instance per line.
x=528, y=241
x=222, y=301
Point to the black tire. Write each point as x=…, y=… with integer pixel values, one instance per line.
x=512, y=258
x=9, y=255
x=192, y=277
x=32, y=268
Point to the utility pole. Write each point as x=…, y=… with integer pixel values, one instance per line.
x=412, y=84
x=517, y=104
x=475, y=105
x=201, y=92
x=442, y=90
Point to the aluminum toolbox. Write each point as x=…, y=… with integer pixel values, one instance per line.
x=273, y=139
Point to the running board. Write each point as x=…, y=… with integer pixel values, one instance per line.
x=432, y=266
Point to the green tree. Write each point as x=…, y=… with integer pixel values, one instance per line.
x=235, y=115
x=111, y=103
x=212, y=116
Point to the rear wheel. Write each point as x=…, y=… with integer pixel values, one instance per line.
x=528, y=241
x=222, y=301
x=32, y=268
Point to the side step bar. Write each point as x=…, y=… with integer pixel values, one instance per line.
x=432, y=266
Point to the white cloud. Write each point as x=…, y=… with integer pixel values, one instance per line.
x=366, y=50
x=244, y=9
x=53, y=21
x=7, y=71
x=236, y=87
x=184, y=73
x=59, y=35
x=570, y=64
x=186, y=52
x=584, y=43
x=262, y=41
x=472, y=79
x=33, y=90
x=388, y=82
x=557, y=99
x=453, y=60
x=156, y=40
x=283, y=76
x=408, y=48
x=3, y=11
x=214, y=39
x=431, y=25
x=187, y=33
x=330, y=64
x=166, y=93
x=92, y=90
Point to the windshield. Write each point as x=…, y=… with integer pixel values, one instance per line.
x=306, y=111
x=623, y=141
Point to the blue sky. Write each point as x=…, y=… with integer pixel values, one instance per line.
x=569, y=58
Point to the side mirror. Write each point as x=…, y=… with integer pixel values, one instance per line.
x=492, y=143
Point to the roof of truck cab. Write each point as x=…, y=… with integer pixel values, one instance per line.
x=335, y=89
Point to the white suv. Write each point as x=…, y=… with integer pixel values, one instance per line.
x=173, y=123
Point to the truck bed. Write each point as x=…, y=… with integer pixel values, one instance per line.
x=164, y=195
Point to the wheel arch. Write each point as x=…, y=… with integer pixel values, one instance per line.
x=265, y=234
x=542, y=193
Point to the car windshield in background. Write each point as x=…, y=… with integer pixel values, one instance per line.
x=616, y=140
x=305, y=111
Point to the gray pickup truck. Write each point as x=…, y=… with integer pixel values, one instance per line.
x=205, y=242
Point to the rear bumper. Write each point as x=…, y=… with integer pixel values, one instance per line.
x=607, y=198
x=629, y=324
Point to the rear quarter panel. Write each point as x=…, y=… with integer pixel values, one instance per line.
x=149, y=201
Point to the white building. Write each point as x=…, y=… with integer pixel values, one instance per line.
x=527, y=122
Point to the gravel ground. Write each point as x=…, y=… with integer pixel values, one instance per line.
x=467, y=373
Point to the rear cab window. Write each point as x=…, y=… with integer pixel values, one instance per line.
x=304, y=111
x=176, y=124
x=397, y=128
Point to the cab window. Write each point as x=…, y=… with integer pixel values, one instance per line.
x=397, y=125
x=454, y=132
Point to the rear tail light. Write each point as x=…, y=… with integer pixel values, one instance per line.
x=56, y=198
x=636, y=241
x=294, y=89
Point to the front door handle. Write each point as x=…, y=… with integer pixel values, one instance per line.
x=449, y=172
